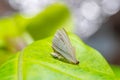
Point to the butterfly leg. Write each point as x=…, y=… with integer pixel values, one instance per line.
x=56, y=55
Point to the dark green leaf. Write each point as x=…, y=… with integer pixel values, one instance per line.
x=46, y=23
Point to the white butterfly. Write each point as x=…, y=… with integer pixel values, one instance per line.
x=62, y=47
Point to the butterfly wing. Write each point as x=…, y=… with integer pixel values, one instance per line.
x=62, y=45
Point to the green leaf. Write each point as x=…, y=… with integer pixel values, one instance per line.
x=42, y=25
x=36, y=63
x=46, y=23
x=116, y=70
x=8, y=28
x=21, y=22
x=4, y=56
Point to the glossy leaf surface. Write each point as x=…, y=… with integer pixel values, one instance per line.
x=36, y=63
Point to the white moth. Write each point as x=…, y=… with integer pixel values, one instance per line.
x=63, y=50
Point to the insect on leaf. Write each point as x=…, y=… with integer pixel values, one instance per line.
x=63, y=48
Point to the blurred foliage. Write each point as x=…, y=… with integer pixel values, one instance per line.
x=8, y=28
x=42, y=25
x=4, y=56
x=46, y=23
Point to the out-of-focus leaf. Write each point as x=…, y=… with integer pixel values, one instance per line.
x=4, y=55
x=42, y=25
x=36, y=63
x=21, y=22
x=2, y=44
x=8, y=28
x=46, y=23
